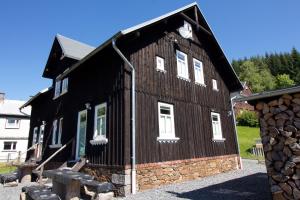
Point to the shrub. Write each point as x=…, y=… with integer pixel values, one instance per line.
x=247, y=118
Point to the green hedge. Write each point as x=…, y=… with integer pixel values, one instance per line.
x=247, y=118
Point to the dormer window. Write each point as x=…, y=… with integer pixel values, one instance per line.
x=61, y=87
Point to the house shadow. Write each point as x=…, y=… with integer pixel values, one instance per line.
x=252, y=187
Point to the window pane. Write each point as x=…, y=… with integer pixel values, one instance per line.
x=14, y=145
x=162, y=125
x=101, y=111
x=168, y=125
x=181, y=56
x=215, y=118
x=103, y=125
x=7, y=145
x=165, y=110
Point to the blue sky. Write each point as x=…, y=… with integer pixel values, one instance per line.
x=27, y=30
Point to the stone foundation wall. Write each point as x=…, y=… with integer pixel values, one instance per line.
x=156, y=174
x=152, y=175
x=115, y=174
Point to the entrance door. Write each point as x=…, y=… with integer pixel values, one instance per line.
x=81, y=134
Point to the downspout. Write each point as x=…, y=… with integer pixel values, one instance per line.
x=133, y=157
x=235, y=130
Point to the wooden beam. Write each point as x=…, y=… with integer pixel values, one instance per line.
x=199, y=27
x=196, y=14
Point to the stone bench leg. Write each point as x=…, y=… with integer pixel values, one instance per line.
x=66, y=191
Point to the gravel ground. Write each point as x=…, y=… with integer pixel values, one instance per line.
x=11, y=193
x=247, y=184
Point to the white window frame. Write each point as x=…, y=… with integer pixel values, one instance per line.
x=182, y=66
x=160, y=64
x=99, y=138
x=200, y=78
x=163, y=136
x=64, y=88
x=56, y=133
x=11, y=146
x=35, y=135
x=215, y=84
x=217, y=127
x=15, y=125
x=57, y=89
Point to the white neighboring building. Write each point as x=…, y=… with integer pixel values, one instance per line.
x=14, y=129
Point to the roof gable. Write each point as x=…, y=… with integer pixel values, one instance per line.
x=64, y=53
x=230, y=76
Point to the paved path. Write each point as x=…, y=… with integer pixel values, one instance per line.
x=247, y=184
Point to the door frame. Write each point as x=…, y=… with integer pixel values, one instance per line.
x=78, y=129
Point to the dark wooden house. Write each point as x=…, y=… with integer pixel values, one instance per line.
x=180, y=125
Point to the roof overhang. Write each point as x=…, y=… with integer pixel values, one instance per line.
x=269, y=94
x=34, y=97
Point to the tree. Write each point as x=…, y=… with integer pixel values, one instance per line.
x=258, y=76
x=283, y=81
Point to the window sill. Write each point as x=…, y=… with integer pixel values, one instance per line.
x=12, y=127
x=6, y=151
x=167, y=140
x=200, y=84
x=60, y=95
x=219, y=140
x=183, y=78
x=54, y=146
x=99, y=141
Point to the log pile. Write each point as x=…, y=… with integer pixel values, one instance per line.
x=280, y=133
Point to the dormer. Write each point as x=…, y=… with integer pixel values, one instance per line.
x=64, y=53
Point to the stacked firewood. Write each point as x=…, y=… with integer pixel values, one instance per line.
x=280, y=133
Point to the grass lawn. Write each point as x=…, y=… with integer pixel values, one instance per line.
x=4, y=168
x=247, y=137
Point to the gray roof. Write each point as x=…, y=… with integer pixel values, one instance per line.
x=149, y=22
x=72, y=48
x=11, y=107
x=269, y=94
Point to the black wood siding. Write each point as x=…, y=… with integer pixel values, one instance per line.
x=192, y=103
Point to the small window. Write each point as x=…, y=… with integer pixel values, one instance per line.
x=64, y=86
x=216, y=126
x=10, y=146
x=198, y=68
x=57, y=89
x=54, y=132
x=41, y=134
x=160, y=64
x=100, y=121
x=182, y=65
x=35, y=135
x=12, y=123
x=166, y=122
x=215, y=84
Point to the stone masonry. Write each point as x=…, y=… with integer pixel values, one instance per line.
x=153, y=175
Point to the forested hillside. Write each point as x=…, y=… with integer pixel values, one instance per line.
x=271, y=71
